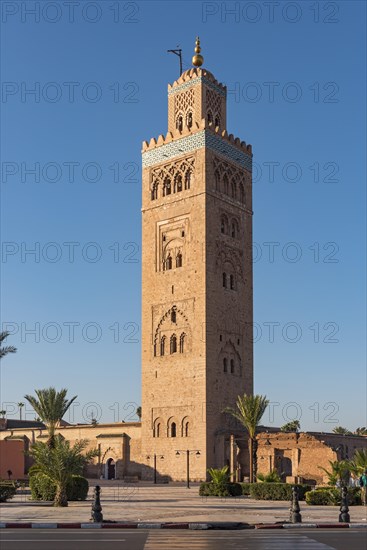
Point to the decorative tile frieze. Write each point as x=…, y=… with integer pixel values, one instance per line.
x=195, y=141
x=194, y=81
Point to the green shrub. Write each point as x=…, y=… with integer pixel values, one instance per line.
x=7, y=491
x=246, y=488
x=220, y=489
x=42, y=488
x=331, y=496
x=276, y=491
x=78, y=488
x=271, y=477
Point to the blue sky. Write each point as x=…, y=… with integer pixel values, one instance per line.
x=296, y=79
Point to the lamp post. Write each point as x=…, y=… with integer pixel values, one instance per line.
x=188, y=452
x=155, y=466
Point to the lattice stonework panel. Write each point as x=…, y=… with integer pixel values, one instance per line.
x=184, y=102
x=175, y=172
x=213, y=102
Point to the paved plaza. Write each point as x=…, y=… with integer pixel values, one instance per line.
x=168, y=503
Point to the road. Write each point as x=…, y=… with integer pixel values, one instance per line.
x=89, y=539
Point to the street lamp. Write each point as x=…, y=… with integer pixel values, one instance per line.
x=155, y=466
x=188, y=452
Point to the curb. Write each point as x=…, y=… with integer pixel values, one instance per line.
x=177, y=525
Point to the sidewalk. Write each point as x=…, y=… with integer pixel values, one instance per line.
x=142, y=503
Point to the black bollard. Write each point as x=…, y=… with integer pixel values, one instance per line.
x=97, y=515
x=344, y=516
x=295, y=516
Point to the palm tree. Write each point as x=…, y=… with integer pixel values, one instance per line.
x=292, y=426
x=138, y=412
x=7, y=349
x=20, y=405
x=341, y=431
x=60, y=463
x=339, y=472
x=361, y=431
x=3, y=413
x=50, y=406
x=250, y=410
x=358, y=465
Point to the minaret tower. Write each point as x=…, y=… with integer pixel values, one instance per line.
x=197, y=349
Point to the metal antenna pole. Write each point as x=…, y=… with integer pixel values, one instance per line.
x=177, y=52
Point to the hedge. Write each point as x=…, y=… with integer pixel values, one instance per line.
x=331, y=496
x=7, y=491
x=276, y=491
x=211, y=489
x=42, y=488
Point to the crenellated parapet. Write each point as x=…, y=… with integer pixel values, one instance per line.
x=185, y=132
x=196, y=76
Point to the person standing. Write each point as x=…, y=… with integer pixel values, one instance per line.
x=363, y=486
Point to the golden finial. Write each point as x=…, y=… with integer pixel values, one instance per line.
x=198, y=59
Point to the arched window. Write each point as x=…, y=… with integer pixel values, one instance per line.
x=216, y=123
x=178, y=183
x=224, y=225
x=173, y=429
x=167, y=187
x=233, y=230
x=232, y=366
x=179, y=123
x=224, y=365
x=155, y=349
x=225, y=184
x=163, y=344
x=154, y=191
x=186, y=429
x=173, y=316
x=168, y=262
x=210, y=117
x=188, y=179
x=231, y=282
x=179, y=260
x=189, y=119
x=217, y=181
x=225, y=280
x=157, y=429
x=173, y=344
x=242, y=194
x=233, y=189
x=182, y=343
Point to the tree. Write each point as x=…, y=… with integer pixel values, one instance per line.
x=358, y=465
x=249, y=411
x=6, y=349
x=20, y=405
x=361, y=431
x=138, y=412
x=342, y=431
x=293, y=426
x=339, y=472
x=50, y=406
x=60, y=463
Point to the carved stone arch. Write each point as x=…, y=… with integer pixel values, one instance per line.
x=224, y=224
x=234, y=228
x=168, y=328
x=229, y=352
x=173, y=427
x=158, y=427
x=186, y=426
x=179, y=121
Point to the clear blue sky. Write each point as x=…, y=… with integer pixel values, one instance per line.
x=296, y=77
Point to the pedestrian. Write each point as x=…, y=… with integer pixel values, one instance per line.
x=363, y=486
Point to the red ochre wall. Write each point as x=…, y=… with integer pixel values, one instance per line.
x=12, y=458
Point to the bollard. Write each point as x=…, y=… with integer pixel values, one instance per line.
x=295, y=516
x=97, y=515
x=344, y=516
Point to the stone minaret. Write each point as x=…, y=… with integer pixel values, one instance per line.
x=197, y=349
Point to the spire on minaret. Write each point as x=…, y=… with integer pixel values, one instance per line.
x=198, y=59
